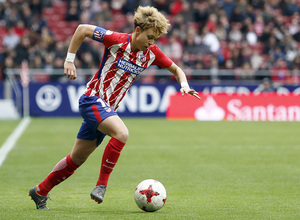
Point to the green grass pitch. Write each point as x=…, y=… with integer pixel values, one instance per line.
x=211, y=170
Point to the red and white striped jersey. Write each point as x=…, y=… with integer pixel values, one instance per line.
x=120, y=66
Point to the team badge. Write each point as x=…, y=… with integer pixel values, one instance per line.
x=143, y=57
x=99, y=34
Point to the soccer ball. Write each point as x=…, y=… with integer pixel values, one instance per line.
x=150, y=195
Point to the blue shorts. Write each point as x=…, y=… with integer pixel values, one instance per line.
x=93, y=111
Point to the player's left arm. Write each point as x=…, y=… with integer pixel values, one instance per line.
x=181, y=79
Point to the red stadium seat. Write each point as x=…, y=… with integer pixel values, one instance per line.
x=48, y=12
x=109, y=25
x=119, y=21
x=55, y=17
x=60, y=11
x=259, y=46
x=287, y=20
x=224, y=44
x=60, y=37
x=3, y=31
x=73, y=24
x=60, y=4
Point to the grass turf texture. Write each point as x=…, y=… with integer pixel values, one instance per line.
x=211, y=170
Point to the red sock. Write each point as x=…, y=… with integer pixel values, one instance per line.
x=62, y=170
x=109, y=159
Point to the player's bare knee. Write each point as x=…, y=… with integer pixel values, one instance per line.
x=123, y=135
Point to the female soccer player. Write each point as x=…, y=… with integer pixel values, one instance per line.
x=125, y=57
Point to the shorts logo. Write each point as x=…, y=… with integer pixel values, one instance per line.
x=104, y=105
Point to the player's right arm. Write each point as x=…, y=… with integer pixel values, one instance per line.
x=82, y=31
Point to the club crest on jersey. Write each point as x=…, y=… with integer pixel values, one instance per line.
x=143, y=58
x=99, y=34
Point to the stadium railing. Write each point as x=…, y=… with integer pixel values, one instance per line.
x=12, y=87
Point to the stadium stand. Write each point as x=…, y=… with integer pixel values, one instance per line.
x=244, y=36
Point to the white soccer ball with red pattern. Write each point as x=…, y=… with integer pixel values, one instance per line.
x=150, y=195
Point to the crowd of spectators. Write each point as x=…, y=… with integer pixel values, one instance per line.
x=246, y=37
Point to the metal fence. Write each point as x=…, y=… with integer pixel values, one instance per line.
x=156, y=75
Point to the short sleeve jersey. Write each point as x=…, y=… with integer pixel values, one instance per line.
x=120, y=66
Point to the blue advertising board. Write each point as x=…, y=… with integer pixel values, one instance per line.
x=148, y=100
x=1, y=90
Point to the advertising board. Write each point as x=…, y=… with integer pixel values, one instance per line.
x=241, y=107
x=142, y=100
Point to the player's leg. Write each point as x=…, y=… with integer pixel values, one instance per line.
x=82, y=150
x=67, y=166
x=100, y=117
x=62, y=170
x=116, y=129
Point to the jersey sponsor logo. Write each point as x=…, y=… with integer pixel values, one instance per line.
x=129, y=67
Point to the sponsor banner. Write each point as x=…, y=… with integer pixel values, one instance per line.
x=59, y=99
x=142, y=100
x=250, y=107
x=1, y=90
x=55, y=99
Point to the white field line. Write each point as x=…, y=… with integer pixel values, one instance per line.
x=13, y=138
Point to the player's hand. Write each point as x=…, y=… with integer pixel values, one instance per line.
x=187, y=90
x=70, y=70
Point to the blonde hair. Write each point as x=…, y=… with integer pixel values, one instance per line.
x=149, y=17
